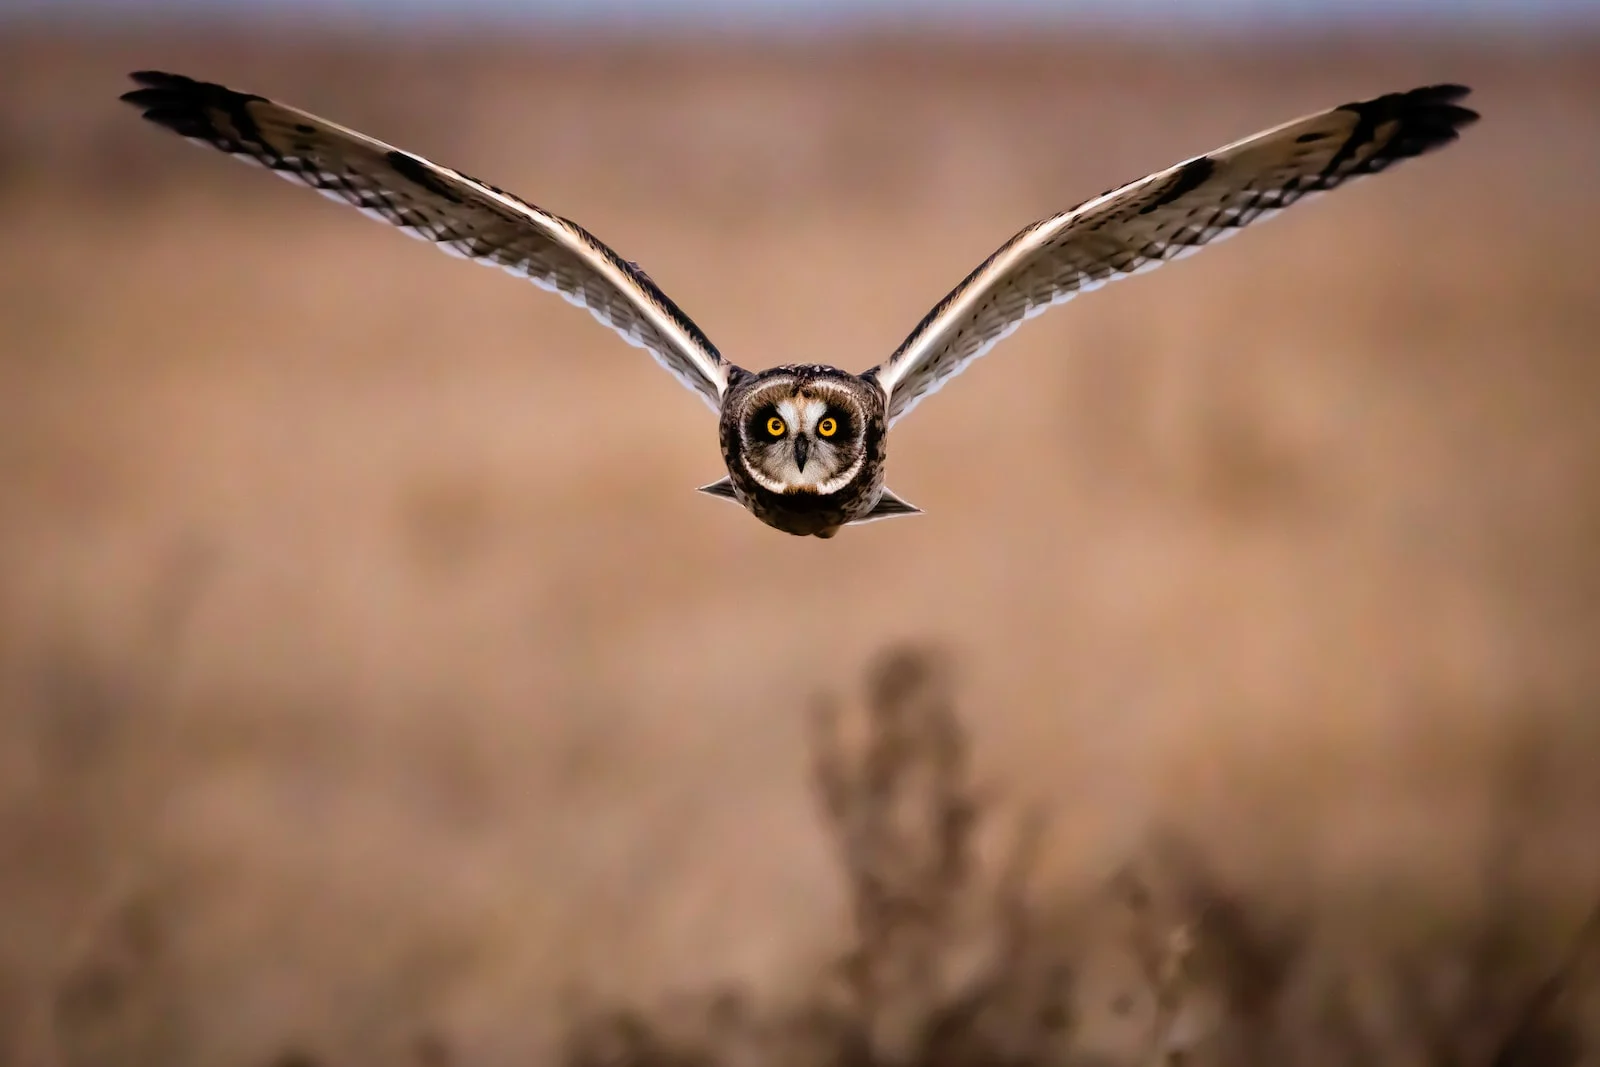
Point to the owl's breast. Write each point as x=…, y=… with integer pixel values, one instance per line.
x=805, y=514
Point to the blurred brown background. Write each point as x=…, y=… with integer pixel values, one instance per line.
x=367, y=660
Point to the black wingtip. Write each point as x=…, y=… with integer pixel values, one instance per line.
x=1441, y=102
x=158, y=78
x=1432, y=117
x=160, y=88
x=156, y=87
x=186, y=105
x=1410, y=123
x=1448, y=92
x=1429, y=117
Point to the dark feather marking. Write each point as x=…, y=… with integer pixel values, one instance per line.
x=414, y=170
x=1366, y=126
x=1193, y=175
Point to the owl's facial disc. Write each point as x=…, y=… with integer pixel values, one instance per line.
x=803, y=441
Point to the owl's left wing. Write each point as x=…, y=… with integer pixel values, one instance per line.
x=460, y=214
x=1163, y=217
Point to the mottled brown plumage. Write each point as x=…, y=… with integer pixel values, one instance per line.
x=805, y=445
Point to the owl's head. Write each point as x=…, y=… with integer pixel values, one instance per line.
x=805, y=431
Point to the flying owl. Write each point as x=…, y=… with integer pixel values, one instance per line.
x=805, y=445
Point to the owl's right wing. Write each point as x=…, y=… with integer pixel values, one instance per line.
x=463, y=216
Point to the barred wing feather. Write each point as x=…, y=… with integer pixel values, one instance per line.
x=1161, y=218
x=463, y=216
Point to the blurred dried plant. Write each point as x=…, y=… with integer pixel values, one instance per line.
x=952, y=961
x=942, y=962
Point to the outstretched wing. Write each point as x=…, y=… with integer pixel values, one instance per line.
x=463, y=216
x=1160, y=218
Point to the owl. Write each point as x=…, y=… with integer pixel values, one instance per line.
x=805, y=446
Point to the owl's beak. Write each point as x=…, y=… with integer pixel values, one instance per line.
x=802, y=449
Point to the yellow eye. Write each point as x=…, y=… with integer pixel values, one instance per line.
x=828, y=426
x=775, y=426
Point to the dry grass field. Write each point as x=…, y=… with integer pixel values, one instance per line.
x=375, y=689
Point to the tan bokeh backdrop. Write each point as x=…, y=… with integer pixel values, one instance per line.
x=359, y=620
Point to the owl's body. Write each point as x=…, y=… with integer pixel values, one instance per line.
x=805, y=445
x=839, y=481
